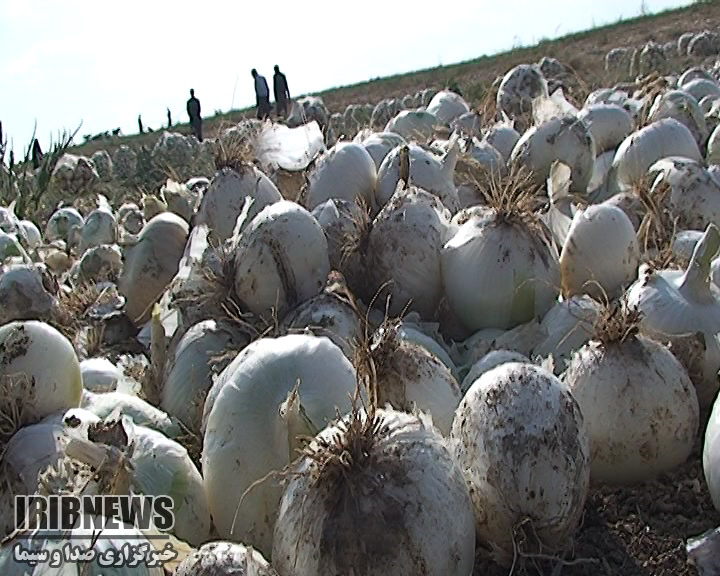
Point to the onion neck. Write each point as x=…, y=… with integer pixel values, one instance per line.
x=299, y=427
x=695, y=283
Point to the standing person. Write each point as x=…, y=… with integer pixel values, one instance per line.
x=193, y=110
x=262, y=95
x=282, y=93
x=140, y=126
x=169, y=118
x=37, y=154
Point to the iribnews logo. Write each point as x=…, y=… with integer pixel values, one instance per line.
x=96, y=514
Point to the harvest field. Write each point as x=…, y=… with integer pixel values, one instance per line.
x=459, y=322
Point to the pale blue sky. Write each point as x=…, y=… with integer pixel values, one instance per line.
x=106, y=62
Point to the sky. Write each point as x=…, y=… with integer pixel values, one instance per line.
x=103, y=63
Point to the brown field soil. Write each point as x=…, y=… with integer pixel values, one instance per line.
x=583, y=51
x=632, y=531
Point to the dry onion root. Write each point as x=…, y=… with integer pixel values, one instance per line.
x=376, y=494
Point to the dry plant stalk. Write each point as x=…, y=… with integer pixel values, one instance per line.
x=236, y=150
x=616, y=323
x=657, y=228
x=18, y=392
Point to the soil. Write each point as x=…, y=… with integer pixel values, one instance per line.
x=640, y=530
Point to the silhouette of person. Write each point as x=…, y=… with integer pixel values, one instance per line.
x=262, y=95
x=282, y=93
x=37, y=154
x=193, y=110
x=169, y=118
x=140, y=126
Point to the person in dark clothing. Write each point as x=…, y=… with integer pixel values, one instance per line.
x=37, y=154
x=262, y=95
x=140, y=126
x=282, y=93
x=169, y=118
x=193, y=110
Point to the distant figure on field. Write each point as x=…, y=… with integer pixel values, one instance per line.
x=169, y=118
x=140, y=126
x=37, y=154
x=262, y=95
x=282, y=93
x=193, y=110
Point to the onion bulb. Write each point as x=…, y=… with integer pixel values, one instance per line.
x=39, y=369
x=403, y=250
x=345, y=172
x=678, y=303
x=275, y=393
x=639, y=404
x=224, y=559
x=376, y=495
x=281, y=259
x=525, y=277
x=523, y=446
x=587, y=270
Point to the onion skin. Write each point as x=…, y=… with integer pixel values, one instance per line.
x=524, y=282
x=400, y=508
x=640, y=405
x=522, y=443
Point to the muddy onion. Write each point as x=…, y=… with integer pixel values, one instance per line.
x=523, y=446
x=397, y=505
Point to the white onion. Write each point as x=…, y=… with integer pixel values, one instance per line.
x=517, y=90
x=640, y=150
x=640, y=407
x=276, y=391
x=711, y=455
x=523, y=446
x=608, y=124
x=413, y=125
x=61, y=223
x=226, y=198
x=683, y=107
x=396, y=505
x=162, y=467
x=42, y=367
x=100, y=375
x=24, y=293
x=345, y=172
x=446, y=105
x=503, y=137
x=99, y=228
x=404, y=249
x=410, y=377
x=525, y=279
x=190, y=369
x=30, y=233
x=379, y=145
x=224, y=559
x=567, y=327
x=491, y=360
x=151, y=263
x=585, y=269
x=567, y=140
x=328, y=314
x=281, y=259
x=109, y=546
x=428, y=171
x=119, y=404
x=676, y=303
x=694, y=191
